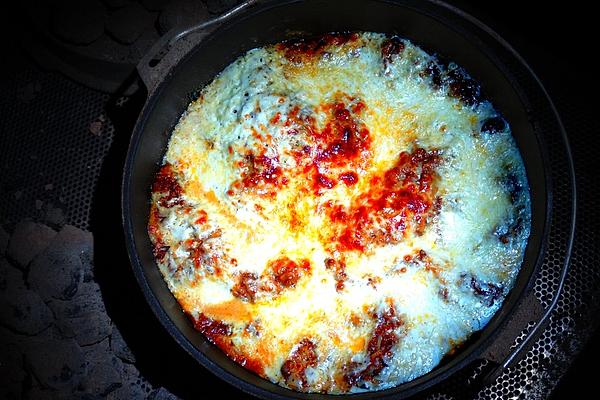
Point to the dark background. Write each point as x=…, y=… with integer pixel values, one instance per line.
x=559, y=40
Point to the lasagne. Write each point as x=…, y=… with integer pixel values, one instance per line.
x=339, y=213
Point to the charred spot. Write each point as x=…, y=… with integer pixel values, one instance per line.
x=211, y=328
x=246, y=286
x=493, y=125
x=437, y=205
x=443, y=293
x=194, y=95
x=381, y=343
x=338, y=267
x=509, y=230
x=513, y=185
x=300, y=50
x=197, y=251
x=344, y=137
x=252, y=364
x=160, y=251
x=462, y=87
x=294, y=368
x=321, y=181
x=373, y=281
x=432, y=71
x=286, y=273
x=219, y=333
x=391, y=47
x=260, y=173
x=349, y=178
x=400, y=199
x=489, y=293
x=166, y=184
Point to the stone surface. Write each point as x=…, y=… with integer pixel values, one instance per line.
x=127, y=24
x=84, y=317
x=8, y=337
x=58, y=271
x=80, y=242
x=57, y=364
x=54, y=216
x=162, y=394
x=56, y=274
x=10, y=277
x=4, y=237
x=11, y=371
x=79, y=22
x=119, y=347
x=182, y=13
x=134, y=386
x=104, y=370
x=11, y=390
x=75, y=240
x=38, y=393
x=21, y=310
x=27, y=241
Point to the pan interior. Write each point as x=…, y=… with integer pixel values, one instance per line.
x=273, y=23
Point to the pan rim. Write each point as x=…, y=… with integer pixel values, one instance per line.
x=433, y=376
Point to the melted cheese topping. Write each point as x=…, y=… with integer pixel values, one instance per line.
x=338, y=214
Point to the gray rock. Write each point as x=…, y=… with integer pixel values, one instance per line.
x=87, y=301
x=10, y=277
x=154, y=5
x=54, y=216
x=84, y=317
x=96, y=352
x=70, y=395
x=56, y=274
x=4, y=237
x=57, y=364
x=119, y=347
x=162, y=394
x=134, y=386
x=27, y=241
x=145, y=42
x=76, y=241
x=86, y=329
x=11, y=390
x=13, y=339
x=220, y=6
x=104, y=370
x=11, y=371
x=67, y=261
x=79, y=22
x=182, y=13
x=127, y=24
x=39, y=393
x=23, y=311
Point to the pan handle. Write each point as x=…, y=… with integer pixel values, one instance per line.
x=176, y=43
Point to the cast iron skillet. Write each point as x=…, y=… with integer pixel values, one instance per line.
x=192, y=63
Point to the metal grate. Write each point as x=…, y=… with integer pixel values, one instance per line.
x=55, y=135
